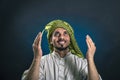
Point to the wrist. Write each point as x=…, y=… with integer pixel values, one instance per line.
x=36, y=58
x=90, y=58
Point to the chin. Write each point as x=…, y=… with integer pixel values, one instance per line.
x=61, y=48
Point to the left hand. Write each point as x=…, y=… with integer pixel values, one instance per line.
x=91, y=48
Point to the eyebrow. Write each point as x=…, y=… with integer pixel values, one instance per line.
x=58, y=31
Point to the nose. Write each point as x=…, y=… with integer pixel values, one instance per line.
x=61, y=36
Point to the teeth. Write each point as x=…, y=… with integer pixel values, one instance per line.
x=61, y=42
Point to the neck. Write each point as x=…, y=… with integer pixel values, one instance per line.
x=62, y=53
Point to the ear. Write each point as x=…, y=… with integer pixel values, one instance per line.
x=51, y=40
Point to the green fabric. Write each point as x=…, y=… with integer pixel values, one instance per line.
x=51, y=26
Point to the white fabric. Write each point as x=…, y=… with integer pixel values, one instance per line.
x=71, y=67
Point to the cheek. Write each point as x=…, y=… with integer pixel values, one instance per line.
x=53, y=40
x=68, y=38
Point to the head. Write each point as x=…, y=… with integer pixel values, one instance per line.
x=61, y=36
x=60, y=39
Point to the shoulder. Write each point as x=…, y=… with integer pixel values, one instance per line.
x=79, y=58
x=45, y=58
x=80, y=61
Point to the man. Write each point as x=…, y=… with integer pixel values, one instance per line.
x=65, y=61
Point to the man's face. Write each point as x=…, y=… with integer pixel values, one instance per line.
x=60, y=39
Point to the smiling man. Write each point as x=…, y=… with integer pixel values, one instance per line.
x=65, y=61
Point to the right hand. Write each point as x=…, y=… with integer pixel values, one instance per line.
x=37, y=46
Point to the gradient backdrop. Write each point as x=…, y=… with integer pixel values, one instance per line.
x=21, y=20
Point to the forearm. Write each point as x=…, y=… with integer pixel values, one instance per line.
x=92, y=71
x=33, y=73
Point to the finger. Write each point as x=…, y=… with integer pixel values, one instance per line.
x=88, y=45
x=87, y=41
x=90, y=41
x=37, y=39
x=40, y=38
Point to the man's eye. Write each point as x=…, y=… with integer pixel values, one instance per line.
x=65, y=33
x=56, y=34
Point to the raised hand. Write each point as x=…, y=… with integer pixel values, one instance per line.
x=91, y=48
x=37, y=46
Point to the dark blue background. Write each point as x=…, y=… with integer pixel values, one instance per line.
x=21, y=20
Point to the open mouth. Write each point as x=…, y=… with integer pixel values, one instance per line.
x=61, y=42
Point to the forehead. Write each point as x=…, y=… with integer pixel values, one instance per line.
x=60, y=30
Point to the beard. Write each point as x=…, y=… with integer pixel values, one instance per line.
x=62, y=48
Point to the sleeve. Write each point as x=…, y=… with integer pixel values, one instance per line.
x=84, y=70
x=41, y=72
x=24, y=74
x=100, y=77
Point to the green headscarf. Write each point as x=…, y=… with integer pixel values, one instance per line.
x=51, y=26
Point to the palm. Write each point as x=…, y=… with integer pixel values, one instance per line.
x=91, y=47
x=37, y=46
